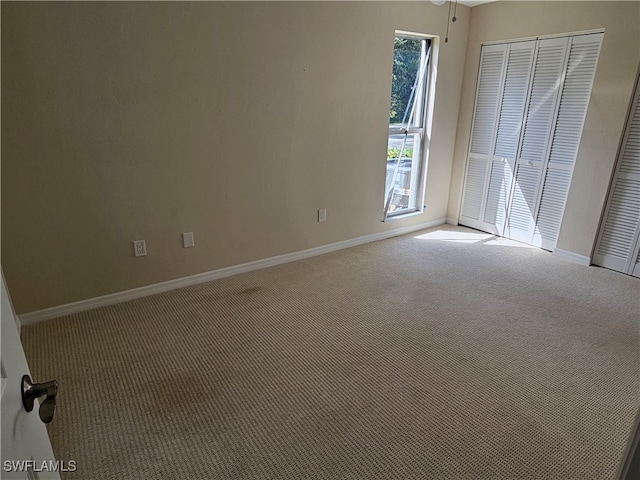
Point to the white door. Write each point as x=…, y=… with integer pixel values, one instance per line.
x=531, y=102
x=539, y=119
x=485, y=115
x=26, y=450
x=508, y=133
x=618, y=241
x=565, y=140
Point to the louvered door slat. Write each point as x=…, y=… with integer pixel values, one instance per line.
x=551, y=209
x=498, y=196
x=487, y=99
x=574, y=101
x=513, y=99
x=474, y=188
x=630, y=164
x=523, y=203
x=544, y=91
x=617, y=238
x=618, y=242
x=572, y=110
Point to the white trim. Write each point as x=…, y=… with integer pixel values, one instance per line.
x=400, y=216
x=543, y=37
x=119, y=297
x=572, y=257
x=452, y=221
x=15, y=317
x=414, y=35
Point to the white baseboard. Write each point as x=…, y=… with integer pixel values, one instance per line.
x=452, y=221
x=119, y=297
x=572, y=257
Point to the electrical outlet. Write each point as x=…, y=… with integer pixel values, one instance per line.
x=139, y=248
x=187, y=240
x=322, y=215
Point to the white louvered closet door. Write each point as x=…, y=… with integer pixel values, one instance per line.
x=538, y=124
x=531, y=103
x=488, y=94
x=574, y=100
x=618, y=242
x=508, y=133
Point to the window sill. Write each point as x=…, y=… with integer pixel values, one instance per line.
x=404, y=215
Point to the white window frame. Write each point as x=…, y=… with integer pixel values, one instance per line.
x=427, y=98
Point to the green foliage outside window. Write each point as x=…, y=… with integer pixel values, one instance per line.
x=406, y=62
x=393, y=152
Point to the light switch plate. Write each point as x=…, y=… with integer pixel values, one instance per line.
x=187, y=240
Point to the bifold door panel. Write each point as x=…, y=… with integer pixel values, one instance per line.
x=507, y=135
x=522, y=153
x=538, y=124
x=489, y=91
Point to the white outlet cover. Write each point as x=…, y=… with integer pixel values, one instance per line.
x=139, y=248
x=187, y=240
x=322, y=215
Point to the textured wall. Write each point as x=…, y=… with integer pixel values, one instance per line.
x=610, y=98
x=236, y=121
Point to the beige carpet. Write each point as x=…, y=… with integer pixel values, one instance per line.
x=410, y=358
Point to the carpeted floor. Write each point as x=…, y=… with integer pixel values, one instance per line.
x=436, y=355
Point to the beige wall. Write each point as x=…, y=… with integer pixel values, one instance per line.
x=612, y=90
x=236, y=121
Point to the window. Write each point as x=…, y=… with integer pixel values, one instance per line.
x=406, y=159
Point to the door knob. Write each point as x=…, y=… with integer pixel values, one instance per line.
x=31, y=391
